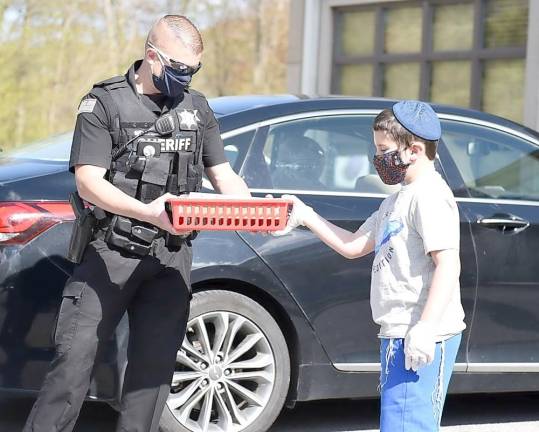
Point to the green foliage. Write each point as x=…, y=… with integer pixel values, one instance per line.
x=53, y=51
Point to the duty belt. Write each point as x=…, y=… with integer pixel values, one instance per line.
x=135, y=237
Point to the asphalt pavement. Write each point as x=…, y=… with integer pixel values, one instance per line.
x=486, y=413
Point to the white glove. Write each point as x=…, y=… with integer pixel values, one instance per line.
x=299, y=215
x=419, y=346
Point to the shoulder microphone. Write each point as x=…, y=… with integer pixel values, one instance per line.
x=164, y=125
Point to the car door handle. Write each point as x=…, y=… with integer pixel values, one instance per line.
x=507, y=223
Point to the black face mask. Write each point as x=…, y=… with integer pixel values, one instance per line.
x=390, y=167
x=171, y=83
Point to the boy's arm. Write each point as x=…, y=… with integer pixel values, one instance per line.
x=348, y=244
x=420, y=342
x=445, y=277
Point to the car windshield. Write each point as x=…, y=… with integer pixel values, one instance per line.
x=55, y=148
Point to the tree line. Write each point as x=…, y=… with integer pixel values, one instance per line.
x=53, y=51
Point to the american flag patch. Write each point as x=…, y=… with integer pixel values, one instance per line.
x=87, y=106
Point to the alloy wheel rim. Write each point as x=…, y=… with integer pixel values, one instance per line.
x=224, y=376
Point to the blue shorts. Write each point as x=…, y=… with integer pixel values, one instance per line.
x=413, y=401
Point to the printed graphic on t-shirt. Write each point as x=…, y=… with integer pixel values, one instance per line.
x=391, y=229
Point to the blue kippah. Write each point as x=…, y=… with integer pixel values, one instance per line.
x=419, y=118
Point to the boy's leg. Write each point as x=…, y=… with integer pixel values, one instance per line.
x=413, y=401
x=92, y=306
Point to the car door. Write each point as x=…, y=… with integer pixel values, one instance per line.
x=320, y=159
x=326, y=161
x=500, y=195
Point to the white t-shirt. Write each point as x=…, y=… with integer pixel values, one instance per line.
x=422, y=217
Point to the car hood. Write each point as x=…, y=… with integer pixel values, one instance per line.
x=12, y=170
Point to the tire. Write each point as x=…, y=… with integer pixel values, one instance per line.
x=263, y=369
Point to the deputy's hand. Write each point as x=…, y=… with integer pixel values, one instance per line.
x=158, y=216
x=419, y=346
x=300, y=214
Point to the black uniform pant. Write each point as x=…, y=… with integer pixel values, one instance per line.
x=155, y=292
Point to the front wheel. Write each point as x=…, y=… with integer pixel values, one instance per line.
x=232, y=371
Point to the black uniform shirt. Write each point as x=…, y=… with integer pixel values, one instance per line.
x=92, y=143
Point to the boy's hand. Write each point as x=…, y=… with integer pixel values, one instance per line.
x=419, y=346
x=299, y=216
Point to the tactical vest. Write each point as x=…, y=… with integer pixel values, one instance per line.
x=152, y=164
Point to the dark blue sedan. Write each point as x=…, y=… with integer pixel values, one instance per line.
x=275, y=320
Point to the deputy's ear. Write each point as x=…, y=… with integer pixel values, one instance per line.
x=151, y=55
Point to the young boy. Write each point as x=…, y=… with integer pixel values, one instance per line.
x=415, y=292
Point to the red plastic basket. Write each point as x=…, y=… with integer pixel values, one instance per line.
x=218, y=214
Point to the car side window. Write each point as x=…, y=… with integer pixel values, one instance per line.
x=236, y=147
x=492, y=163
x=327, y=153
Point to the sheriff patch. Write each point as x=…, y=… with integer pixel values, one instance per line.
x=87, y=106
x=188, y=119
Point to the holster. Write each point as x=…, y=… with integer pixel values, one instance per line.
x=83, y=229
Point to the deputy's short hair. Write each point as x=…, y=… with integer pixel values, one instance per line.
x=183, y=28
x=386, y=122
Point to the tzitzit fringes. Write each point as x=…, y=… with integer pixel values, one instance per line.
x=390, y=354
x=438, y=393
